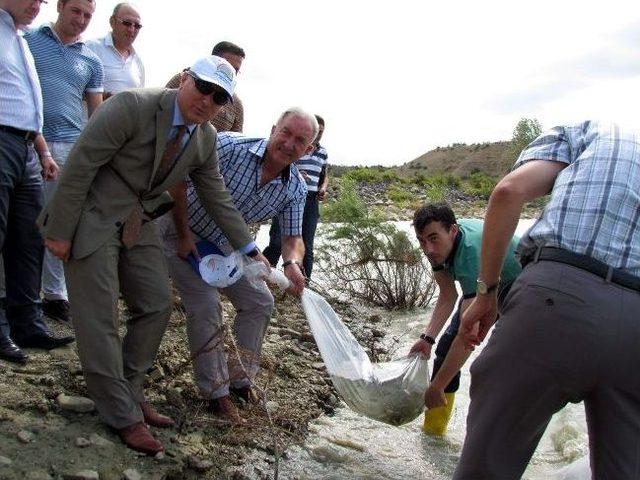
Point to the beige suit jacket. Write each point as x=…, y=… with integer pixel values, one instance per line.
x=128, y=133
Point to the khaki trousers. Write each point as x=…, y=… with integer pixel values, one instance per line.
x=214, y=370
x=564, y=335
x=114, y=367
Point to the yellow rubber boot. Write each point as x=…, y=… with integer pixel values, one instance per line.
x=437, y=419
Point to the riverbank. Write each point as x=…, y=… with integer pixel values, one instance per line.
x=39, y=439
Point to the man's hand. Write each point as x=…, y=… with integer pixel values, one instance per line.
x=421, y=347
x=322, y=194
x=50, y=168
x=295, y=276
x=434, y=397
x=478, y=319
x=261, y=258
x=59, y=248
x=186, y=246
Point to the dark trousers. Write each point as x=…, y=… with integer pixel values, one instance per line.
x=21, y=200
x=309, y=224
x=444, y=344
x=564, y=335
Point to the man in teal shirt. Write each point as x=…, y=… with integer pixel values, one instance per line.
x=453, y=250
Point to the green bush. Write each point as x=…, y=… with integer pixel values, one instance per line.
x=372, y=175
x=480, y=184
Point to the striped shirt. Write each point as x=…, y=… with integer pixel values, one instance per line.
x=120, y=73
x=20, y=97
x=66, y=72
x=595, y=202
x=240, y=161
x=311, y=165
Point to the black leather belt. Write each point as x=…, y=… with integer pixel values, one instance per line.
x=583, y=262
x=27, y=135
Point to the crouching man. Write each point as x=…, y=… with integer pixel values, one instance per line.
x=264, y=184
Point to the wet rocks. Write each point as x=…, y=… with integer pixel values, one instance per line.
x=131, y=474
x=198, y=464
x=25, y=436
x=82, y=475
x=75, y=404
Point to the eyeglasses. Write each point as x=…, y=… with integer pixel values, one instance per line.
x=220, y=97
x=129, y=24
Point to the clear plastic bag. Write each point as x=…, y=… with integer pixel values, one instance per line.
x=391, y=392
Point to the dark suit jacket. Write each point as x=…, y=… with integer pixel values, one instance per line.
x=128, y=133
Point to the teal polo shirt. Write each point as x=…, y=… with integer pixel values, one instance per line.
x=464, y=261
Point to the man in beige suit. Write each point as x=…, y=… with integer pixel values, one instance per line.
x=135, y=146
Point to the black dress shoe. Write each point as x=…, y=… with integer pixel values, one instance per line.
x=11, y=352
x=45, y=341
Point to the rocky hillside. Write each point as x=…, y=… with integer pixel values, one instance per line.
x=462, y=160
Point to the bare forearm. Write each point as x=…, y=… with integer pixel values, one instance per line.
x=442, y=310
x=453, y=362
x=292, y=248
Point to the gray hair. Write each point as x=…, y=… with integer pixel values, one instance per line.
x=299, y=112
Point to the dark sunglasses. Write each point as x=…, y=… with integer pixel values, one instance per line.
x=129, y=24
x=220, y=97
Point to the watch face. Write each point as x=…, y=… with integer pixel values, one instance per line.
x=481, y=288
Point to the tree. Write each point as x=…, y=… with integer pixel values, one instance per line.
x=525, y=132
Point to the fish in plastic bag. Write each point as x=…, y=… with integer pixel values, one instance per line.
x=390, y=392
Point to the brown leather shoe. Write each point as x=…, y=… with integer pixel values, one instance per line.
x=223, y=407
x=138, y=437
x=248, y=394
x=153, y=418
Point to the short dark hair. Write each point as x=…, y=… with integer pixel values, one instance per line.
x=433, y=212
x=320, y=120
x=227, y=47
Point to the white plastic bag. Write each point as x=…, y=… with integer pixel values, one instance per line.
x=391, y=392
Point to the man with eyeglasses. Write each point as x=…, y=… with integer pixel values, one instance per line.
x=264, y=183
x=231, y=117
x=21, y=186
x=136, y=146
x=69, y=72
x=123, y=67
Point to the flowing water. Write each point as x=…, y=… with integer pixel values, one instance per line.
x=347, y=445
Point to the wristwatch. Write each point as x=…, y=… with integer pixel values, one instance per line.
x=484, y=289
x=253, y=253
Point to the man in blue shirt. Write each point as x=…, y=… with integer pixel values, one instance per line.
x=69, y=71
x=313, y=168
x=264, y=183
x=569, y=330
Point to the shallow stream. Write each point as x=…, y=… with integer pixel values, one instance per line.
x=347, y=445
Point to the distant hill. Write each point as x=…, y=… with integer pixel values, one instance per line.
x=462, y=160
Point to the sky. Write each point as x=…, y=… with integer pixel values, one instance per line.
x=394, y=80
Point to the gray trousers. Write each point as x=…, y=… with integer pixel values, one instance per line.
x=214, y=370
x=114, y=367
x=564, y=335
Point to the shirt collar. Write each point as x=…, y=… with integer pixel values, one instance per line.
x=260, y=149
x=6, y=18
x=456, y=244
x=108, y=41
x=48, y=28
x=178, y=119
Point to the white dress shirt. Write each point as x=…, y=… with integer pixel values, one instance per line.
x=120, y=73
x=20, y=94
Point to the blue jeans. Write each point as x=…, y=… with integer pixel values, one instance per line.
x=21, y=200
x=309, y=224
x=54, y=286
